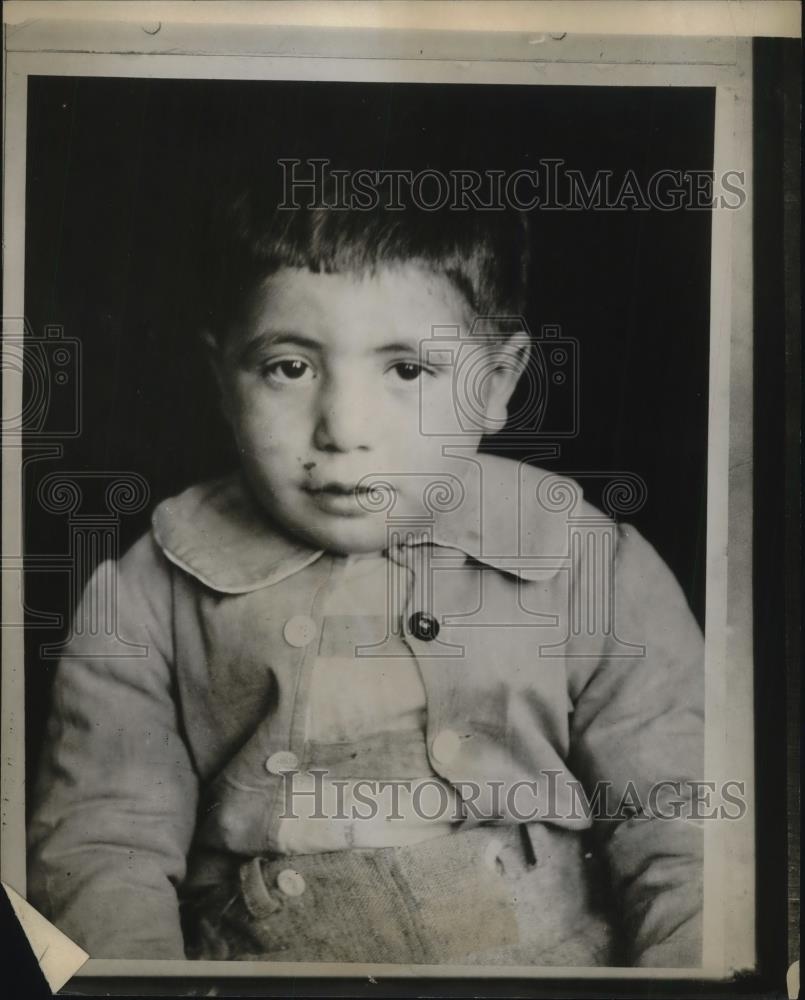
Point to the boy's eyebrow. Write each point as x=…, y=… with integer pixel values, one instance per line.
x=270, y=337
x=397, y=347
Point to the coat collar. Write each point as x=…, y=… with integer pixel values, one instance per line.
x=497, y=511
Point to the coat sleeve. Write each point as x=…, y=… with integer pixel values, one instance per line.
x=115, y=800
x=637, y=732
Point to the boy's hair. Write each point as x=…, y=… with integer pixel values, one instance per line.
x=484, y=254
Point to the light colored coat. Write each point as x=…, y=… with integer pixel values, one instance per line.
x=565, y=653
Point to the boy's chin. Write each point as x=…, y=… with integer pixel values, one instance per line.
x=347, y=536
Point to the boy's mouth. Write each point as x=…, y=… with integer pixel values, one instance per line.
x=345, y=499
x=336, y=489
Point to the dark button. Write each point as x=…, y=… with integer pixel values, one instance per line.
x=423, y=626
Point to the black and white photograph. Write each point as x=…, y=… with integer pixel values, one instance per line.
x=380, y=531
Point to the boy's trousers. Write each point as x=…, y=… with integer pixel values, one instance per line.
x=484, y=895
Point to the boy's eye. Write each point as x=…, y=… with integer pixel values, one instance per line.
x=408, y=371
x=288, y=370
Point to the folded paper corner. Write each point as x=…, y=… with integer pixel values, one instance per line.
x=59, y=958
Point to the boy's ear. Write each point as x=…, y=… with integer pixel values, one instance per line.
x=506, y=362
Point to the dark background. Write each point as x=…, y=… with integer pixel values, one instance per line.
x=120, y=172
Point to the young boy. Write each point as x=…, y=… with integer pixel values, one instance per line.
x=372, y=671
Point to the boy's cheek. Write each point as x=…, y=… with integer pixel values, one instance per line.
x=441, y=411
x=263, y=420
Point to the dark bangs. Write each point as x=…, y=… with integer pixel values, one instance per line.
x=484, y=254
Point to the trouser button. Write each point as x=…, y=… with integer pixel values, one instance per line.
x=290, y=882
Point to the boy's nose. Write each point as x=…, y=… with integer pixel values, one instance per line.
x=344, y=421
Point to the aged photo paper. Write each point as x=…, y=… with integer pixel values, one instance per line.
x=377, y=491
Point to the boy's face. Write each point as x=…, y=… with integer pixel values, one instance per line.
x=326, y=384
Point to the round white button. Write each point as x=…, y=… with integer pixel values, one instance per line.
x=282, y=760
x=299, y=630
x=445, y=746
x=290, y=882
